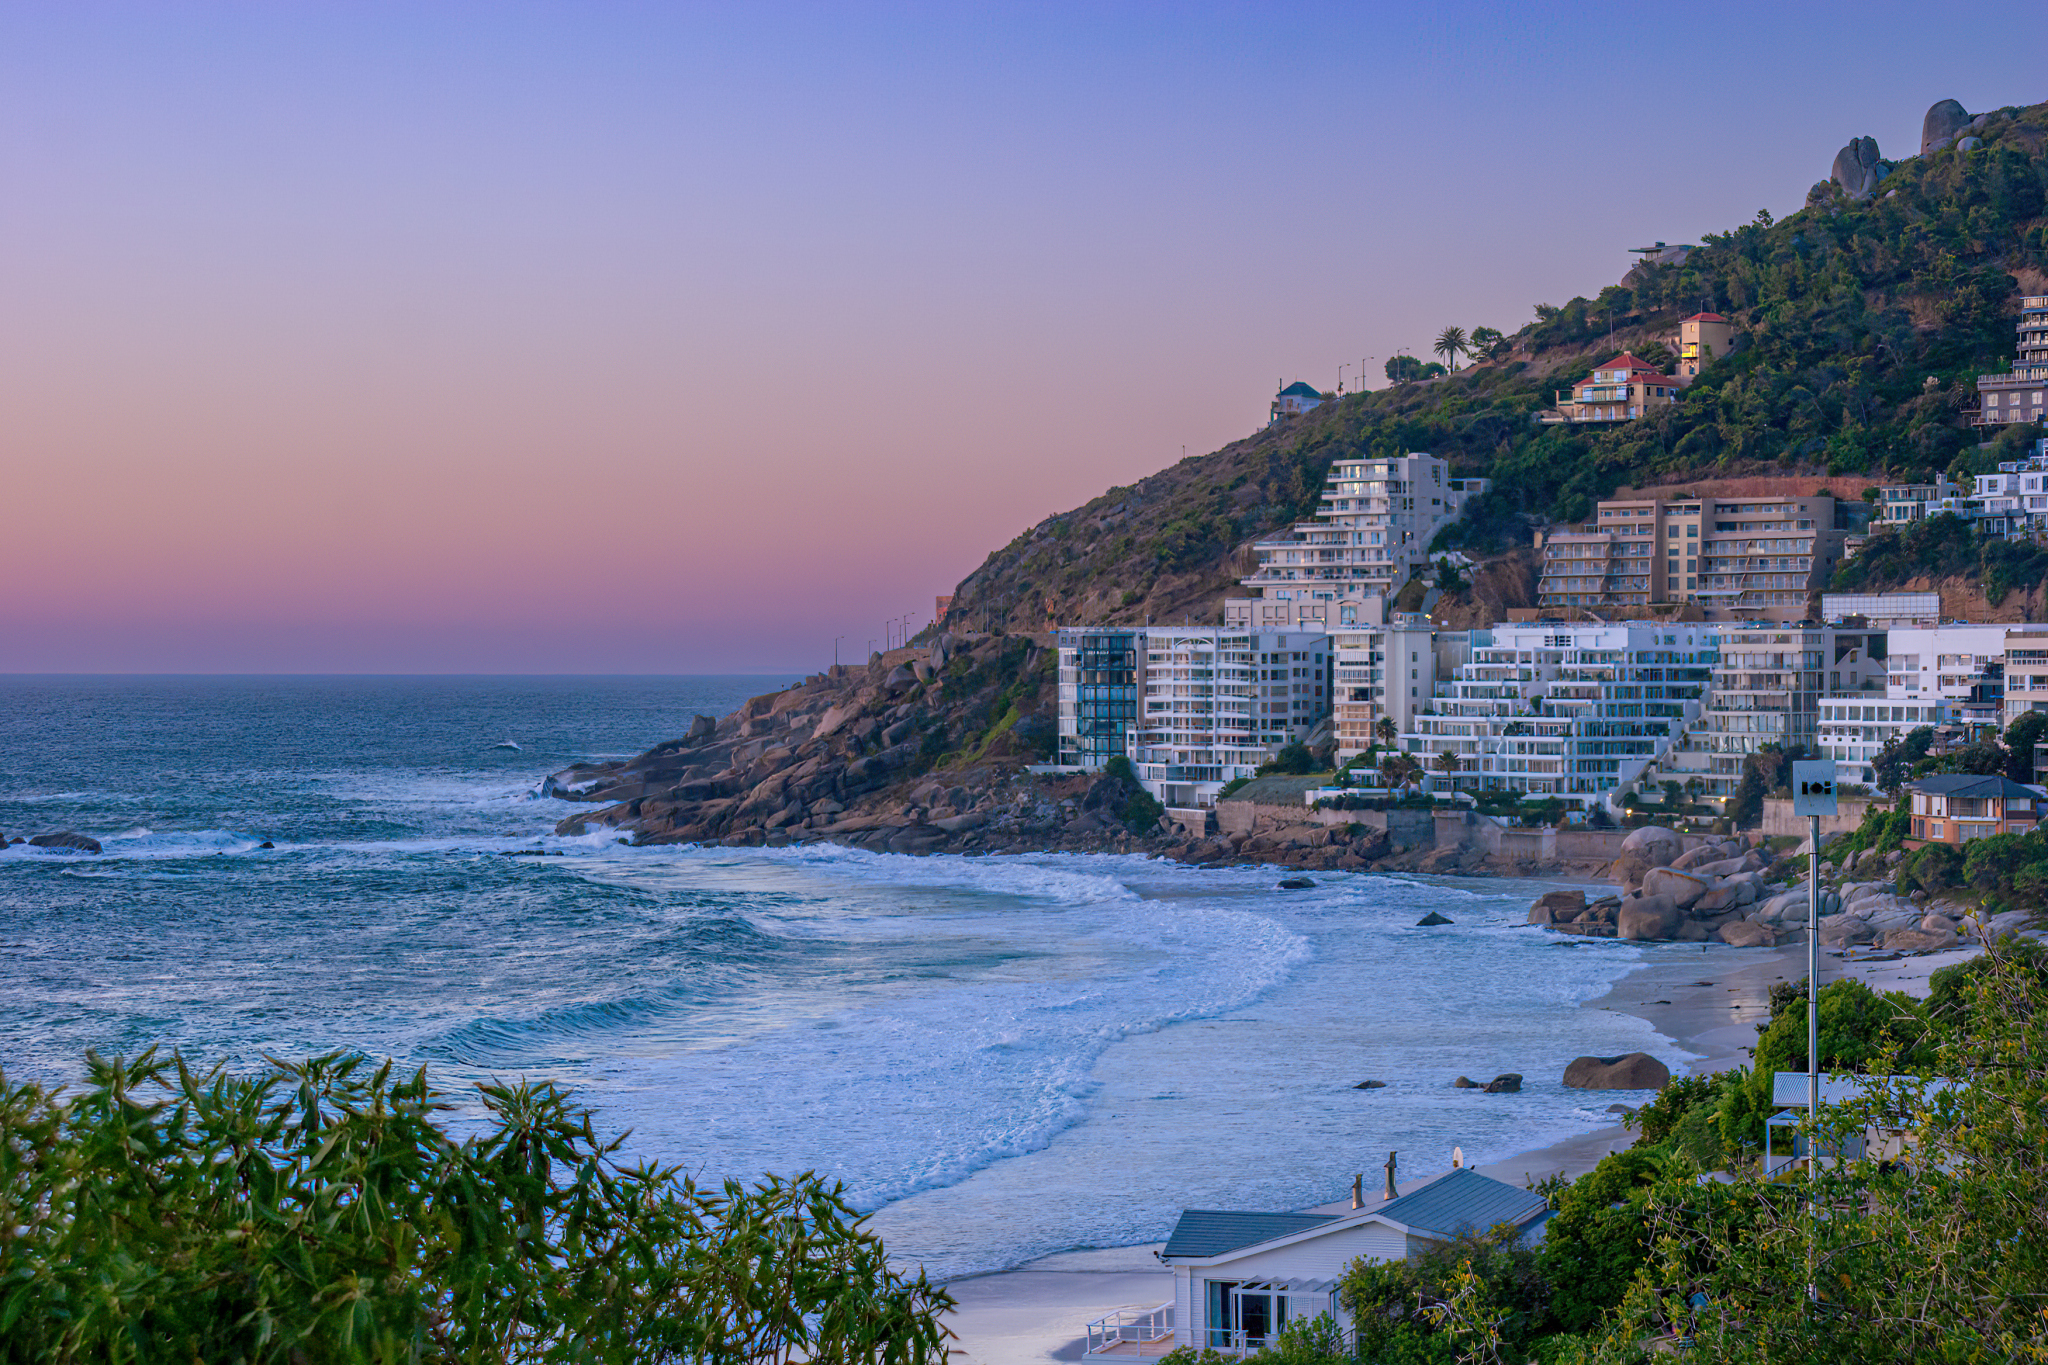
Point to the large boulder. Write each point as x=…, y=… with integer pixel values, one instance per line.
x=1844, y=931
x=1645, y=848
x=1919, y=940
x=1744, y=933
x=1647, y=917
x=1944, y=120
x=1552, y=906
x=1682, y=887
x=69, y=838
x=1858, y=168
x=1507, y=1083
x=1631, y=1071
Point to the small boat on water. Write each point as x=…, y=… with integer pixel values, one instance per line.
x=508, y=744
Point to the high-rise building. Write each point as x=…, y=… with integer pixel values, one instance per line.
x=1385, y=674
x=1372, y=531
x=1736, y=558
x=1098, y=691
x=1217, y=703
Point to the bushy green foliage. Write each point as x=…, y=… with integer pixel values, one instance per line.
x=1292, y=760
x=1896, y=759
x=1654, y=1121
x=1467, y=1298
x=1927, y=1252
x=322, y=1212
x=1857, y=1027
x=1595, y=1242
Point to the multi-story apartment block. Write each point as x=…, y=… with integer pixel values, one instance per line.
x=1738, y=558
x=1572, y=710
x=1098, y=691
x=1372, y=530
x=1703, y=338
x=1384, y=672
x=2025, y=674
x=1292, y=401
x=1900, y=503
x=2021, y=394
x=1621, y=390
x=1962, y=666
x=1768, y=682
x=1855, y=728
x=1216, y=703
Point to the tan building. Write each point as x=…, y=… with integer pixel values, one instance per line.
x=2021, y=395
x=1736, y=558
x=1703, y=338
x=1621, y=390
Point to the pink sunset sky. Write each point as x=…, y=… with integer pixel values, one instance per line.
x=588, y=338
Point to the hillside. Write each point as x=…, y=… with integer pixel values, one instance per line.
x=1866, y=324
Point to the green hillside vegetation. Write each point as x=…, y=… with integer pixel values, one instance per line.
x=1865, y=325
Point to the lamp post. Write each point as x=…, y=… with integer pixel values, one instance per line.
x=1813, y=795
x=1340, y=376
x=835, y=649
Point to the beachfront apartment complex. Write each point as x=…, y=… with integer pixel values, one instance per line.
x=1191, y=706
x=1371, y=532
x=1735, y=558
x=1218, y=703
x=1565, y=709
x=1384, y=671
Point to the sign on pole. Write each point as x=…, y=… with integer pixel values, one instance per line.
x=1813, y=786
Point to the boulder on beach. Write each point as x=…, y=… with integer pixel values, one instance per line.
x=1431, y=919
x=1920, y=940
x=69, y=838
x=1747, y=934
x=1554, y=906
x=1630, y=1071
x=1682, y=887
x=1507, y=1083
x=1647, y=917
x=1645, y=848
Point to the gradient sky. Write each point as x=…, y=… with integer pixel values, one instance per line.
x=598, y=337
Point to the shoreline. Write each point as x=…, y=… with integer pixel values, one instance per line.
x=1707, y=1003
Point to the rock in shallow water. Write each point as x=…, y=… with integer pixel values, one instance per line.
x=1630, y=1071
x=1432, y=918
x=1296, y=883
x=67, y=839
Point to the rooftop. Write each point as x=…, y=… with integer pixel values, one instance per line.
x=1972, y=785
x=1298, y=389
x=1211, y=1232
x=1463, y=1201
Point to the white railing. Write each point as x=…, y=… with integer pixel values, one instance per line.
x=1131, y=1328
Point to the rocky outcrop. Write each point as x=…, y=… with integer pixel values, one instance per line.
x=1555, y=907
x=1631, y=1071
x=1432, y=919
x=1507, y=1083
x=1858, y=168
x=1944, y=120
x=71, y=839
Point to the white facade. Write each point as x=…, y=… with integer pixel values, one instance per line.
x=1215, y=703
x=1371, y=532
x=1572, y=710
x=1383, y=672
x=2026, y=671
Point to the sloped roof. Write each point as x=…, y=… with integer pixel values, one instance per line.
x=1298, y=389
x=1704, y=317
x=1972, y=784
x=1211, y=1232
x=1625, y=361
x=1463, y=1201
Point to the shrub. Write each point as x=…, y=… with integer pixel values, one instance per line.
x=319, y=1211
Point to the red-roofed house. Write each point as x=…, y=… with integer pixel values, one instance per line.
x=1703, y=338
x=1620, y=391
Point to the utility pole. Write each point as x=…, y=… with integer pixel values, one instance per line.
x=1813, y=795
x=835, y=649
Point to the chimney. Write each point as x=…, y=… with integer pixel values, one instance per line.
x=1358, y=1191
x=1391, y=1191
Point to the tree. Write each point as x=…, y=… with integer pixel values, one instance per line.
x=1293, y=760
x=1396, y=770
x=320, y=1211
x=1891, y=764
x=1448, y=579
x=1450, y=344
x=2029, y=729
x=1489, y=344
x=1385, y=728
x=1447, y=763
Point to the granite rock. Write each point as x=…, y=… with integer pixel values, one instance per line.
x=1631, y=1071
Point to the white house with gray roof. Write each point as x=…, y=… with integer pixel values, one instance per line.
x=1238, y=1278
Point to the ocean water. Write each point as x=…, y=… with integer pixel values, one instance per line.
x=1001, y=1057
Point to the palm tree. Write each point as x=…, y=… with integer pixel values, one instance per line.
x=1395, y=770
x=1447, y=764
x=1385, y=728
x=1450, y=343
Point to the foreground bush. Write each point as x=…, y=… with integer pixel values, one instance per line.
x=320, y=1212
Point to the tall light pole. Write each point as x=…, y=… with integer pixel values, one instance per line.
x=835, y=649
x=1340, y=375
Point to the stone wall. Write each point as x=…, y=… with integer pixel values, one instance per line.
x=1779, y=819
x=1404, y=828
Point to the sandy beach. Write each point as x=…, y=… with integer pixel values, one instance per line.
x=1710, y=1005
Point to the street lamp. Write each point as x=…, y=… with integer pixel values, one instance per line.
x=1340, y=375
x=835, y=649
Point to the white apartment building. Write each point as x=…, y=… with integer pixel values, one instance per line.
x=2026, y=672
x=1383, y=672
x=1854, y=727
x=1216, y=703
x=1574, y=710
x=1371, y=532
x=1962, y=666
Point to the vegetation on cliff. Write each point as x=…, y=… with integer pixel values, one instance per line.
x=1864, y=326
